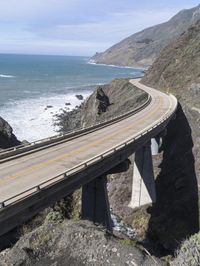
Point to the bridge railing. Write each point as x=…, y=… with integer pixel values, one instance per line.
x=57, y=139
x=80, y=167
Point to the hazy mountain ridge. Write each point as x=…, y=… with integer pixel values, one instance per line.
x=142, y=48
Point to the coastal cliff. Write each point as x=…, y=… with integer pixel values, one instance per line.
x=142, y=48
x=177, y=70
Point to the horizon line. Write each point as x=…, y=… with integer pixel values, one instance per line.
x=30, y=54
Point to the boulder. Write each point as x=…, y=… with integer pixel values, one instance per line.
x=79, y=97
x=7, y=138
x=103, y=100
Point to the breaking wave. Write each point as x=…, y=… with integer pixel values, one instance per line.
x=6, y=76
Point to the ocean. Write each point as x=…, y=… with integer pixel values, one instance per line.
x=33, y=88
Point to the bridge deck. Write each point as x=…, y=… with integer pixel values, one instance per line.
x=25, y=172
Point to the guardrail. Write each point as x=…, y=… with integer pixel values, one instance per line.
x=55, y=140
x=79, y=130
x=89, y=162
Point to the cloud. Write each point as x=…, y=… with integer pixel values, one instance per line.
x=115, y=28
x=72, y=27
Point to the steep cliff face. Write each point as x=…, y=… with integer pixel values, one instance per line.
x=175, y=216
x=142, y=48
x=177, y=70
x=7, y=138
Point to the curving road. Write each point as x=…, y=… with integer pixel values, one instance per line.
x=24, y=172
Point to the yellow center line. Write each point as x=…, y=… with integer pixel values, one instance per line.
x=77, y=151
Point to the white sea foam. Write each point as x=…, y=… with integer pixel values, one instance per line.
x=91, y=62
x=87, y=85
x=6, y=76
x=121, y=227
x=31, y=119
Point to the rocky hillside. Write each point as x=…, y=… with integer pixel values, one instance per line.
x=142, y=48
x=106, y=102
x=7, y=138
x=75, y=244
x=178, y=70
x=165, y=222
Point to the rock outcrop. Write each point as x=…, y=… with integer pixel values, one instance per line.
x=7, y=138
x=104, y=103
x=142, y=48
x=75, y=244
x=103, y=99
x=79, y=97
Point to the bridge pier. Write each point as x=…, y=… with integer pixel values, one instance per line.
x=143, y=186
x=155, y=145
x=156, y=142
x=95, y=203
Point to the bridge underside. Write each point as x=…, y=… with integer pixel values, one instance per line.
x=19, y=212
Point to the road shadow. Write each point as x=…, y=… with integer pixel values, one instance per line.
x=175, y=215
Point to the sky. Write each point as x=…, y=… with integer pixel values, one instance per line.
x=78, y=27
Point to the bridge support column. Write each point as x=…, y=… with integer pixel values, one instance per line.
x=143, y=186
x=155, y=145
x=95, y=203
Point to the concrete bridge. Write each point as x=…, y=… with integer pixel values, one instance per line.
x=34, y=176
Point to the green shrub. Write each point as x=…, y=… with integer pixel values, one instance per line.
x=189, y=252
x=55, y=216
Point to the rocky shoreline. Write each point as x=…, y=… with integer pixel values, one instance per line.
x=104, y=103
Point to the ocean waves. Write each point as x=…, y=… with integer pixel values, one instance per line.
x=32, y=119
x=6, y=76
x=34, y=88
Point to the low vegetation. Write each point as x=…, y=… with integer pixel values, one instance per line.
x=189, y=252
